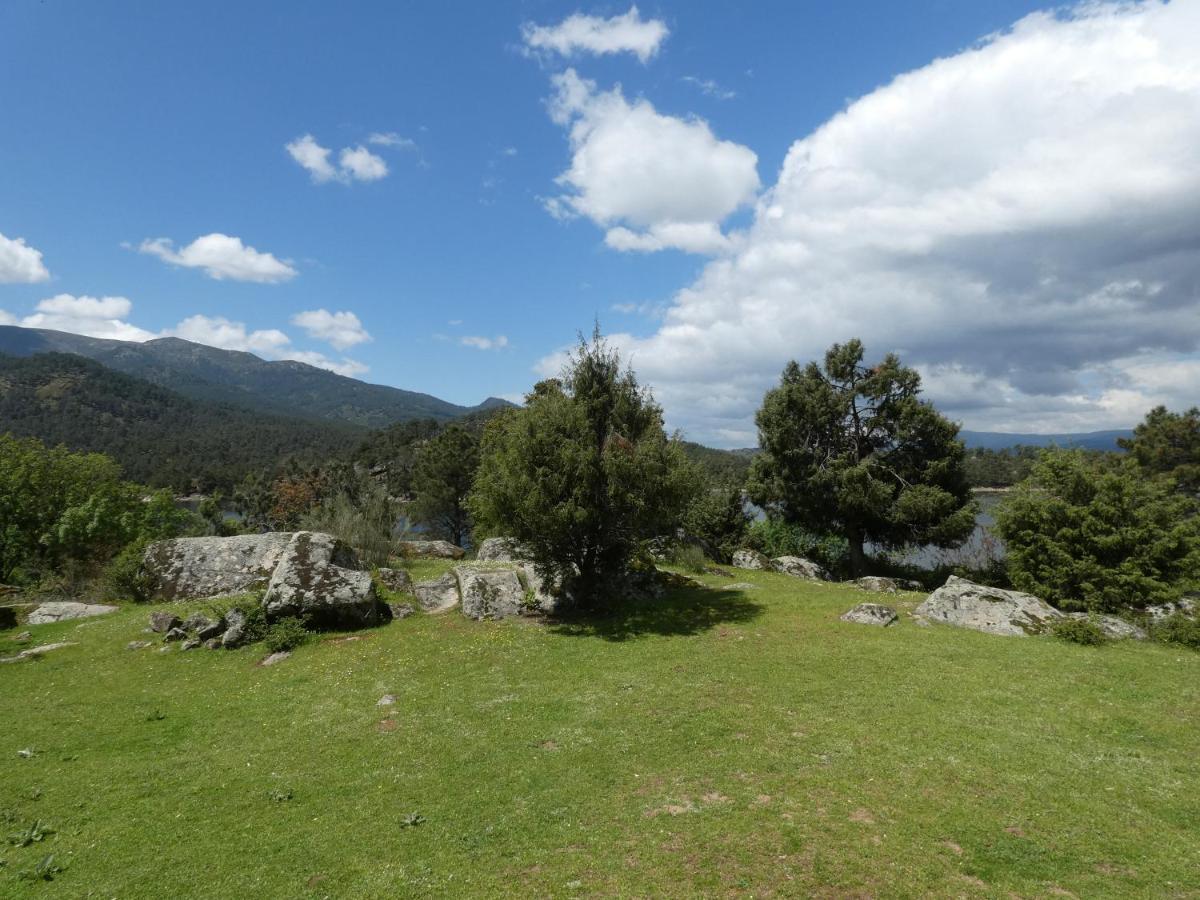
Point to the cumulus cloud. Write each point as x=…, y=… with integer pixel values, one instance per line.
x=101, y=317
x=20, y=263
x=626, y=33
x=498, y=342
x=341, y=329
x=709, y=88
x=217, y=331
x=354, y=163
x=222, y=257
x=391, y=139
x=1018, y=220
x=652, y=181
x=351, y=368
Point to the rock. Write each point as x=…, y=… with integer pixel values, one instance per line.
x=799, y=567
x=545, y=596
x=494, y=594
x=189, y=644
x=751, y=559
x=36, y=651
x=386, y=700
x=741, y=586
x=24, y=636
x=991, y=610
x=431, y=550
x=318, y=582
x=196, y=568
x=396, y=580
x=213, y=644
x=65, y=610
x=718, y=571
x=235, y=629
x=276, y=658
x=871, y=614
x=501, y=549
x=402, y=610
x=137, y=645
x=1185, y=605
x=8, y=617
x=204, y=627
x=1114, y=628
x=175, y=634
x=437, y=595
x=161, y=622
x=877, y=583
x=908, y=584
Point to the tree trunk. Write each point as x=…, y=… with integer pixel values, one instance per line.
x=858, y=558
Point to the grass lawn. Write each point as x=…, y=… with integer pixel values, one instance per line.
x=718, y=743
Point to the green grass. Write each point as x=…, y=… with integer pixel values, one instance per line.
x=718, y=743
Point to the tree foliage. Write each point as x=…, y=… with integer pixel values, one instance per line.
x=583, y=474
x=1098, y=534
x=442, y=478
x=717, y=518
x=1168, y=443
x=852, y=449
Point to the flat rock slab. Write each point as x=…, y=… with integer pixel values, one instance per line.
x=201, y=567
x=37, y=651
x=437, y=595
x=871, y=614
x=799, y=567
x=501, y=549
x=878, y=584
x=991, y=610
x=66, y=610
x=276, y=658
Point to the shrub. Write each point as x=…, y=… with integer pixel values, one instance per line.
x=125, y=578
x=688, y=556
x=256, y=620
x=718, y=519
x=1178, y=629
x=286, y=634
x=1098, y=535
x=364, y=522
x=774, y=537
x=1079, y=631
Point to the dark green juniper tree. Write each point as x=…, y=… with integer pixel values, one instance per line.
x=442, y=477
x=1169, y=443
x=582, y=474
x=851, y=449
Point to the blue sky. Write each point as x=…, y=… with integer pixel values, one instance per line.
x=128, y=122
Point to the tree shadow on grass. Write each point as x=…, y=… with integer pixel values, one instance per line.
x=680, y=612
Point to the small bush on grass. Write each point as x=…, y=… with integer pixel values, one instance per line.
x=255, y=628
x=1178, y=629
x=125, y=578
x=1079, y=631
x=689, y=557
x=286, y=634
x=774, y=537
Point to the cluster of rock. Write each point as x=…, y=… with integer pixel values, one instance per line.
x=431, y=550
x=226, y=631
x=499, y=584
x=796, y=566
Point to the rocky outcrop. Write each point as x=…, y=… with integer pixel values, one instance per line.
x=65, y=610
x=1114, y=628
x=202, y=567
x=162, y=621
x=751, y=559
x=396, y=580
x=501, y=549
x=491, y=594
x=431, y=550
x=318, y=581
x=36, y=651
x=991, y=610
x=871, y=614
x=1185, y=605
x=437, y=595
x=878, y=584
x=799, y=567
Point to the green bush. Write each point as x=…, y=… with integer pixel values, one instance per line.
x=774, y=537
x=364, y=521
x=1178, y=629
x=1079, y=631
x=688, y=556
x=256, y=620
x=718, y=519
x=1098, y=535
x=125, y=578
x=286, y=634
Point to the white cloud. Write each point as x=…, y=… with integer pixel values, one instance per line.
x=217, y=331
x=341, y=329
x=351, y=368
x=20, y=263
x=498, y=342
x=1018, y=219
x=362, y=165
x=626, y=33
x=313, y=157
x=222, y=257
x=391, y=139
x=709, y=88
x=101, y=317
x=7, y=318
x=653, y=181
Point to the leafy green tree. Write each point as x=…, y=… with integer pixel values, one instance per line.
x=1098, y=534
x=1169, y=443
x=852, y=450
x=717, y=517
x=582, y=474
x=442, y=477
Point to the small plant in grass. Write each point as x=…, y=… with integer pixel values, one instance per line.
x=1178, y=629
x=412, y=820
x=35, y=833
x=281, y=795
x=286, y=634
x=1079, y=631
x=43, y=871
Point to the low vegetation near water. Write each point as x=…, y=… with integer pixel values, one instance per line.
x=717, y=742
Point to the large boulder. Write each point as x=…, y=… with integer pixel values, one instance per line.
x=991, y=610
x=501, y=549
x=437, y=595
x=871, y=614
x=396, y=580
x=64, y=610
x=318, y=580
x=799, y=567
x=545, y=596
x=751, y=559
x=491, y=594
x=431, y=550
x=196, y=568
x=878, y=584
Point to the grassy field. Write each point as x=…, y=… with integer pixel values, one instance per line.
x=718, y=743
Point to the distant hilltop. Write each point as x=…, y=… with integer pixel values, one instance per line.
x=1001, y=440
